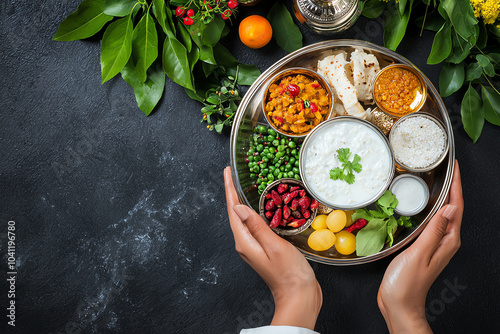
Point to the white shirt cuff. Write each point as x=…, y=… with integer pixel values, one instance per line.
x=278, y=330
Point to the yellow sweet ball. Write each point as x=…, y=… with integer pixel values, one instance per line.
x=336, y=220
x=319, y=223
x=348, y=214
x=321, y=240
x=345, y=243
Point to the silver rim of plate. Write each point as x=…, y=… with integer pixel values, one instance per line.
x=250, y=114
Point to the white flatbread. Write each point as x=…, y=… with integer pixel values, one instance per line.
x=364, y=69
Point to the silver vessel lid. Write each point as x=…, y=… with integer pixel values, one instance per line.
x=327, y=17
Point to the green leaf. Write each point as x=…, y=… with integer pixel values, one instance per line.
x=495, y=59
x=247, y=74
x=472, y=113
x=170, y=20
x=491, y=105
x=371, y=238
x=461, y=16
x=285, y=32
x=86, y=21
x=392, y=225
x=207, y=54
x=207, y=68
x=483, y=61
x=223, y=56
x=212, y=32
x=193, y=57
x=144, y=45
x=473, y=72
x=489, y=70
x=451, y=79
x=433, y=21
x=387, y=203
x=184, y=36
x=176, y=63
x=482, y=39
x=395, y=28
x=460, y=50
x=402, y=7
x=147, y=94
x=374, y=8
x=116, y=47
x=118, y=8
x=159, y=11
x=441, y=46
x=194, y=95
x=361, y=213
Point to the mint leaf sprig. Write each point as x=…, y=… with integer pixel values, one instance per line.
x=348, y=167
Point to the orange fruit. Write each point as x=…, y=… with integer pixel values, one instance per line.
x=255, y=31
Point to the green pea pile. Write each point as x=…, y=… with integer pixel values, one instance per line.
x=272, y=156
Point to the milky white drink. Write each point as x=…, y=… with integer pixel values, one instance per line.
x=320, y=156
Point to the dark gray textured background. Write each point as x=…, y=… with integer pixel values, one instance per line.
x=120, y=218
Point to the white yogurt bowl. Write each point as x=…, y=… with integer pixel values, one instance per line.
x=412, y=193
x=319, y=155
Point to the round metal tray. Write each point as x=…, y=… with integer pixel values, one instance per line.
x=250, y=115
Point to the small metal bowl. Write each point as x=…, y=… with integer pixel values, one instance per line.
x=370, y=126
x=423, y=202
x=420, y=78
x=280, y=230
x=294, y=71
x=443, y=154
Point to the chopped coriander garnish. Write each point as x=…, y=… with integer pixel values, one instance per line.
x=346, y=172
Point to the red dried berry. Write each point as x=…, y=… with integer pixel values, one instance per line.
x=294, y=188
x=283, y=222
x=314, y=204
x=296, y=214
x=314, y=107
x=268, y=196
x=304, y=203
x=232, y=4
x=276, y=198
x=270, y=205
x=297, y=223
x=295, y=204
x=307, y=214
x=188, y=21
x=276, y=219
x=293, y=89
x=190, y=13
x=286, y=212
x=302, y=193
x=282, y=188
x=179, y=11
x=269, y=214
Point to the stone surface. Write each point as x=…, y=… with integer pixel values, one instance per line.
x=120, y=218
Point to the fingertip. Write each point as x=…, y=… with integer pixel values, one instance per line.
x=242, y=212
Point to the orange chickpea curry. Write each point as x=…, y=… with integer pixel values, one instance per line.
x=296, y=104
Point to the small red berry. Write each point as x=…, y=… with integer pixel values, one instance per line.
x=188, y=21
x=179, y=11
x=227, y=13
x=190, y=13
x=232, y=4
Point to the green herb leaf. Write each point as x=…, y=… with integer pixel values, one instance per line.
x=433, y=21
x=387, y=203
x=451, y=79
x=193, y=58
x=184, y=36
x=116, y=47
x=491, y=105
x=144, y=45
x=207, y=54
x=461, y=16
x=495, y=59
x=159, y=11
x=147, y=94
x=212, y=32
x=392, y=225
x=395, y=28
x=460, y=50
x=286, y=33
x=346, y=172
x=404, y=221
x=402, y=7
x=118, y=8
x=247, y=74
x=473, y=71
x=483, y=61
x=362, y=213
x=86, y=21
x=472, y=113
x=371, y=238
x=441, y=46
x=176, y=63
x=374, y=8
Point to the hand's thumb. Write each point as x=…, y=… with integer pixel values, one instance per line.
x=255, y=224
x=435, y=231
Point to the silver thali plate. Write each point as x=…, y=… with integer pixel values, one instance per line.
x=250, y=114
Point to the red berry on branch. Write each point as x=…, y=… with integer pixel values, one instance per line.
x=188, y=21
x=232, y=4
x=227, y=13
x=190, y=13
x=179, y=11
